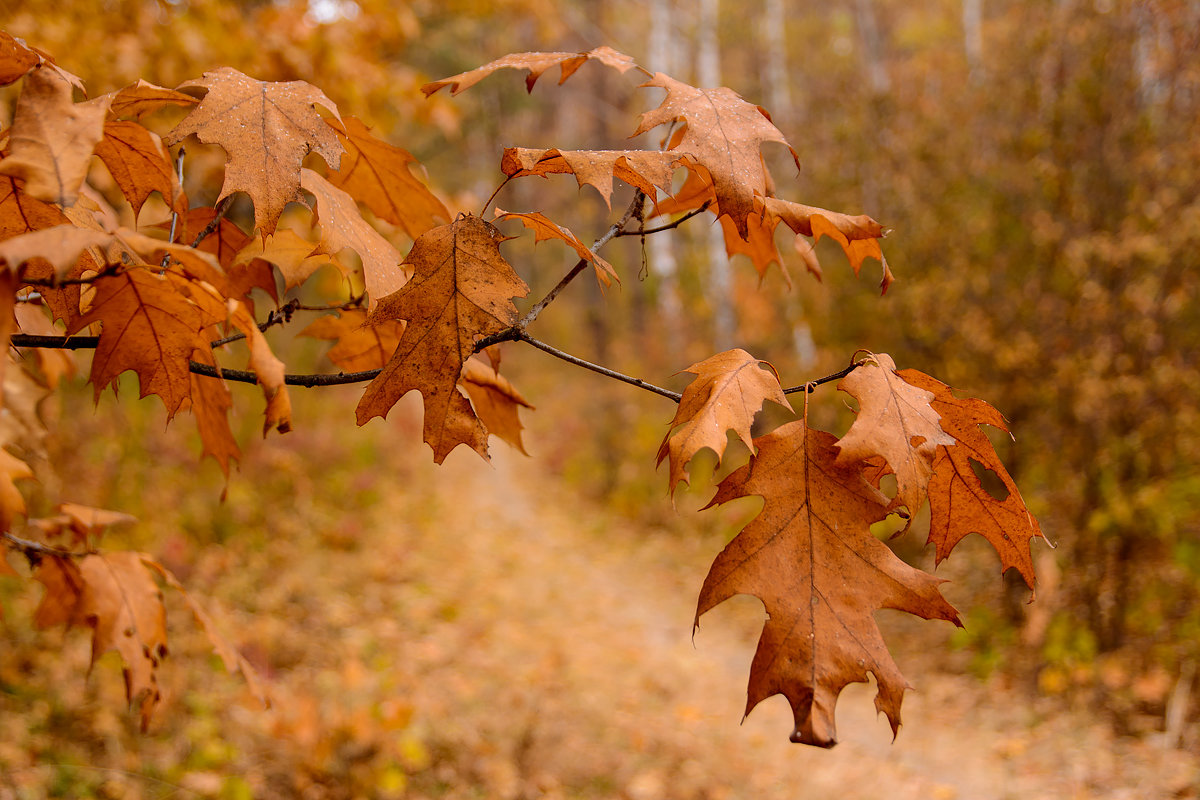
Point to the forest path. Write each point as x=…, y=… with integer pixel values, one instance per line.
x=566, y=665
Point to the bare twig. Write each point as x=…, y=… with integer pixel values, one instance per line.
x=34, y=550
x=307, y=380
x=166, y=259
x=55, y=342
x=669, y=226
x=813, y=384
x=222, y=208
x=620, y=376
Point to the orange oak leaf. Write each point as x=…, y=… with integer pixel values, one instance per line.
x=378, y=175
x=139, y=163
x=224, y=244
x=147, y=326
x=293, y=255
x=116, y=596
x=143, y=97
x=647, y=170
x=233, y=660
x=536, y=63
x=52, y=138
x=210, y=404
x=361, y=345
x=60, y=246
x=544, y=229
x=80, y=525
x=16, y=59
x=724, y=134
x=267, y=128
x=896, y=421
x=811, y=558
x=495, y=401
x=343, y=226
x=856, y=249
x=729, y=389
x=462, y=289
x=959, y=504
x=12, y=504
x=758, y=244
x=267, y=367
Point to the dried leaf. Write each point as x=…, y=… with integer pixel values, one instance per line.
x=536, y=63
x=811, y=558
x=143, y=97
x=12, y=504
x=52, y=138
x=361, y=345
x=61, y=246
x=495, y=401
x=140, y=165
x=267, y=129
x=959, y=504
x=343, y=226
x=729, y=389
x=377, y=174
x=210, y=406
x=895, y=421
x=461, y=290
x=268, y=369
x=724, y=134
x=544, y=229
x=647, y=170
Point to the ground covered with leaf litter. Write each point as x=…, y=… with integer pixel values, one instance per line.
x=483, y=631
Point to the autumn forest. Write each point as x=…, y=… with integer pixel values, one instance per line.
x=506, y=399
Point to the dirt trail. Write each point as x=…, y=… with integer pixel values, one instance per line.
x=584, y=678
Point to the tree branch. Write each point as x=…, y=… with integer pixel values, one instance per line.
x=669, y=226
x=579, y=362
x=35, y=550
x=813, y=384
x=222, y=208
x=307, y=380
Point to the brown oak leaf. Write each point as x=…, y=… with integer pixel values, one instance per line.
x=12, y=504
x=52, y=138
x=16, y=59
x=811, y=558
x=495, y=401
x=536, y=63
x=361, y=345
x=545, y=229
x=343, y=226
x=224, y=243
x=268, y=369
x=60, y=246
x=724, y=134
x=148, y=326
x=210, y=404
x=267, y=128
x=80, y=525
x=729, y=389
x=462, y=289
x=294, y=256
x=143, y=97
x=377, y=174
x=959, y=504
x=116, y=596
x=647, y=170
x=139, y=163
x=896, y=421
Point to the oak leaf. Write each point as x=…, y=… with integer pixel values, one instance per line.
x=959, y=504
x=60, y=246
x=342, y=226
x=225, y=242
x=210, y=404
x=52, y=138
x=361, y=345
x=12, y=504
x=896, y=421
x=461, y=290
x=80, y=525
x=268, y=369
x=378, y=175
x=545, y=229
x=294, y=256
x=116, y=596
x=139, y=164
x=143, y=97
x=724, y=134
x=729, y=390
x=266, y=128
x=536, y=64
x=147, y=326
x=495, y=401
x=647, y=170
x=17, y=59
x=811, y=558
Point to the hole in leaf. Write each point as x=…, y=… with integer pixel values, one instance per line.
x=990, y=481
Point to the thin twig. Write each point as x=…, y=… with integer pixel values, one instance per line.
x=221, y=208
x=669, y=226
x=55, y=342
x=813, y=384
x=166, y=259
x=307, y=380
x=32, y=549
x=620, y=376
x=488, y=204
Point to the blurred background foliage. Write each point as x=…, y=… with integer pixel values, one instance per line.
x=1036, y=162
